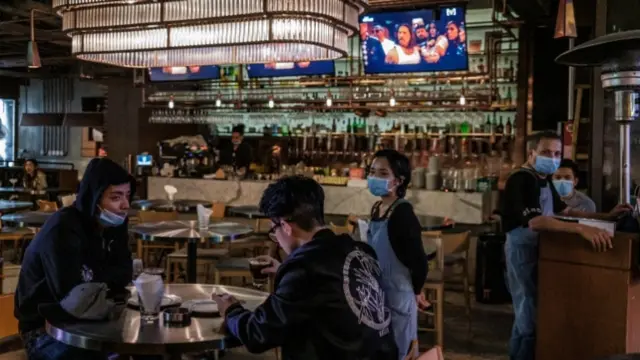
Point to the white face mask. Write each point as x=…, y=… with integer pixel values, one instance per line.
x=110, y=219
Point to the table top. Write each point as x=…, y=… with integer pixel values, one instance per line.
x=34, y=218
x=7, y=206
x=21, y=190
x=166, y=205
x=249, y=211
x=189, y=230
x=125, y=334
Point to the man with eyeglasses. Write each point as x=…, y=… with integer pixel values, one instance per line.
x=327, y=302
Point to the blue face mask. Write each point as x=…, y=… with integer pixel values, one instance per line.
x=110, y=219
x=564, y=187
x=546, y=165
x=378, y=186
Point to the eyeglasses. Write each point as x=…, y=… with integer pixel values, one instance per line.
x=272, y=231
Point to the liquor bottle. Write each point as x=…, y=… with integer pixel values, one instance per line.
x=508, y=128
x=508, y=98
x=494, y=123
x=500, y=127
x=487, y=125
x=512, y=72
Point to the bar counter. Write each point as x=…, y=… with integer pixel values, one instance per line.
x=466, y=208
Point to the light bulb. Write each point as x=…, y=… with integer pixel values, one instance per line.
x=329, y=102
x=463, y=101
x=392, y=101
x=218, y=102
x=171, y=104
x=271, y=103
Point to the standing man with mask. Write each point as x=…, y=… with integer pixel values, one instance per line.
x=84, y=243
x=565, y=180
x=529, y=206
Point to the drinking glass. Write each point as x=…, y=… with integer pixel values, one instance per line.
x=256, y=266
x=13, y=182
x=150, y=312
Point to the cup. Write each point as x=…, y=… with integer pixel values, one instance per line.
x=255, y=267
x=150, y=289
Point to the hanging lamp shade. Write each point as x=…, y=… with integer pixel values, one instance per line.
x=172, y=33
x=566, y=20
x=33, y=55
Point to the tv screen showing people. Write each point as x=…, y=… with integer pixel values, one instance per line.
x=184, y=73
x=303, y=68
x=414, y=41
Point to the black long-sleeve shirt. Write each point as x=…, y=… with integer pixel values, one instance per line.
x=238, y=158
x=405, y=236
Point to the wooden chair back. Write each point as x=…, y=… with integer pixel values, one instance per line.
x=157, y=216
x=340, y=229
x=352, y=223
x=455, y=243
x=67, y=200
x=263, y=226
x=432, y=241
x=218, y=209
x=47, y=206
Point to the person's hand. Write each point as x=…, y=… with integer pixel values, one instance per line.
x=620, y=209
x=422, y=301
x=273, y=267
x=599, y=239
x=224, y=302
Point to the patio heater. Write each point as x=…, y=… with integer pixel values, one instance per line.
x=619, y=57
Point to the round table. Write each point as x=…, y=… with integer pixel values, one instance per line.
x=35, y=218
x=182, y=206
x=184, y=230
x=433, y=223
x=8, y=206
x=126, y=335
x=27, y=219
x=251, y=212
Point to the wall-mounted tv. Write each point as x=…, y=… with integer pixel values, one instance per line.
x=307, y=68
x=414, y=41
x=184, y=73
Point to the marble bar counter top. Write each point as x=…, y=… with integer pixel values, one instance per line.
x=467, y=208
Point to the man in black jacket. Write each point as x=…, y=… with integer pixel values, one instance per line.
x=327, y=302
x=85, y=242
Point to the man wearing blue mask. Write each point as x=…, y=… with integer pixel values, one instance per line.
x=529, y=207
x=83, y=243
x=565, y=180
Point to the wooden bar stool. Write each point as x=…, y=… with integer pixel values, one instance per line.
x=456, y=263
x=434, y=286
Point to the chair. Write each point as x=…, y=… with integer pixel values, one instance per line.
x=456, y=255
x=339, y=230
x=47, y=206
x=17, y=236
x=434, y=285
x=205, y=258
x=218, y=210
x=145, y=248
x=67, y=200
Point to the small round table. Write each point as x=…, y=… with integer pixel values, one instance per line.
x=189, y=231
x=251, y=212
x=27, y=219
x=8, y=206
x=433, y=223
x=35, y=218
x=126, y=335
x=182, y=206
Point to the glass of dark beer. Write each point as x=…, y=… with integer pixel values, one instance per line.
x=255, y=266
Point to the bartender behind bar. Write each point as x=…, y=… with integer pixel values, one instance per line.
x=238, y=154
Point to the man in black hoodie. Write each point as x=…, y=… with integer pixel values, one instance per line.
x=327, y=303
x=85, y=242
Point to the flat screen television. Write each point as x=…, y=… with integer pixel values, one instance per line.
x=184, y=73
x=308, y=68
x=414, y=41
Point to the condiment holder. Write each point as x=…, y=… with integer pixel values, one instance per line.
x=176, y=317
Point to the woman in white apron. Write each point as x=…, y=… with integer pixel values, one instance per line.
x=395, y=234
